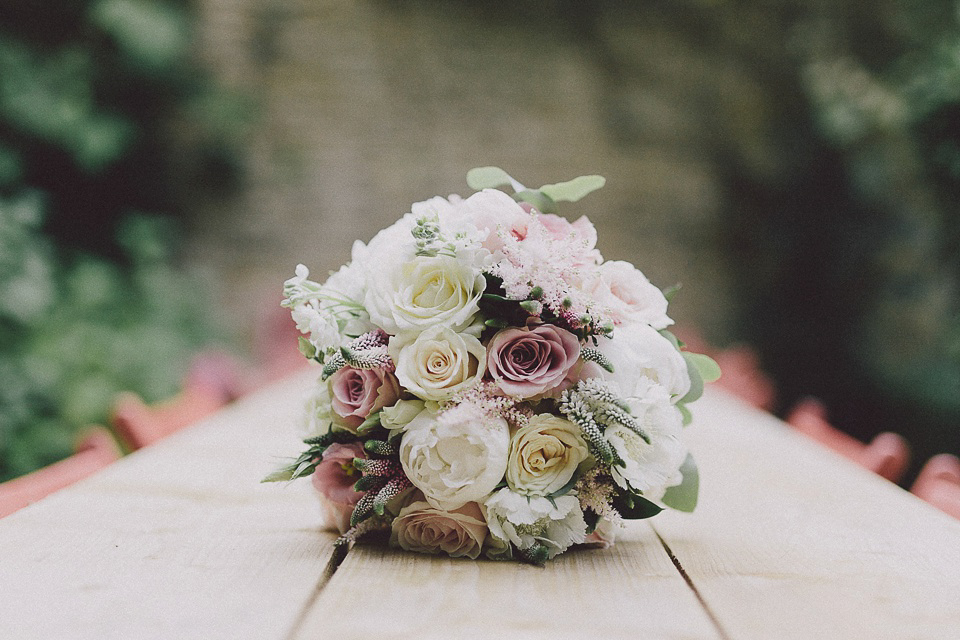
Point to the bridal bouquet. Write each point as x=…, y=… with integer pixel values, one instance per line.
x=490, y=385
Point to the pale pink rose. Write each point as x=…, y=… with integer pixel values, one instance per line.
x=532, y=360
x=334, y=478
x=628, y=295
x=357, y=393
x=425, y=529
x=495, y=212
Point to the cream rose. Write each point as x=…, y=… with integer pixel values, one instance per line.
x=455, y=457
x=425, y=529
x=649, y=467
x=437, y=363
x=526, y=521
x=544, y=455
x=423, y=292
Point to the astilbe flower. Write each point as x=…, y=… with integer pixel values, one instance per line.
x=490, y=402
x=544, y=264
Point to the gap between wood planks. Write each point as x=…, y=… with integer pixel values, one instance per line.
x=336, y=559
x=340, y=554
x=696, y=592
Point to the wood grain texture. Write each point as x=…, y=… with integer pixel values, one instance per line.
x=631, y=590
x=792, y=541
x=181, y=541
x=178, y=540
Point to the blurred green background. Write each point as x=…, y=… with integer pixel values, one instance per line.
x=165, y=164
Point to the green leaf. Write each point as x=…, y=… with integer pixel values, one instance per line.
x=685, y=412
x=672, y=338
x=672, y=291
x=634, y=507
x=368, y=424
x=683, y=497
x=696, y=380
x=540, y=201
x=489, y=178
x=707, y=367
x=280, y=475
x=572, y=190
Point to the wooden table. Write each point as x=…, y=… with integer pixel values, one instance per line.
x=181, y=541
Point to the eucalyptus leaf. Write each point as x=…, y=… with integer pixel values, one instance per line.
x=541, y=202
x=683, y=497
x=670, y=292
x=696, y=380
x=707, y=366
x=685, y=412
x=490, y=178
x=572, y=190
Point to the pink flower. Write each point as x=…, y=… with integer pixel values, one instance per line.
x=357, y=393
x=334, y=478
x=530, y=361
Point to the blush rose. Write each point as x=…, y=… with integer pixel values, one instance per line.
x=357, y=393
x=426, y=529
x=526, y=362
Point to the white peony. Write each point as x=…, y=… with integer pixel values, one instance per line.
x=525, y=520
x=637, y=351
x=456, y=457
x=649, y=467
x=437, y=363
x=627, y=295
x=423, y=292
x=544, y=455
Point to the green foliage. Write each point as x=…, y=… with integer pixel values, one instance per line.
x=683, y=497
x=90, y=303
x=75, y=329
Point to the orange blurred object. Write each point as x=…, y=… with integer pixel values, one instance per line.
x=95, y=450
x=214, y=380
x=939, y=483
x=887, y=455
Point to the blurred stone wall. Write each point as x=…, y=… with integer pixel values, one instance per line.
x=366, y=106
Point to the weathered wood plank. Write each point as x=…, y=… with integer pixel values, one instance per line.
x=629, y=591
x=178, y=540
x=791, y=541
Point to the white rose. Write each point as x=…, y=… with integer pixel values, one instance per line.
x=424, y=292
x=638, y=350
x=425, y=529
x=544, y=455
x=437, y=363
x=649, y=467
x=525, y=520
x=627, y=295
x=456, y=457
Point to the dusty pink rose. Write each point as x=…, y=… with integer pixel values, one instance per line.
x=425, y=529
x=356, y=393
x=533, y=360
x=334, y=478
